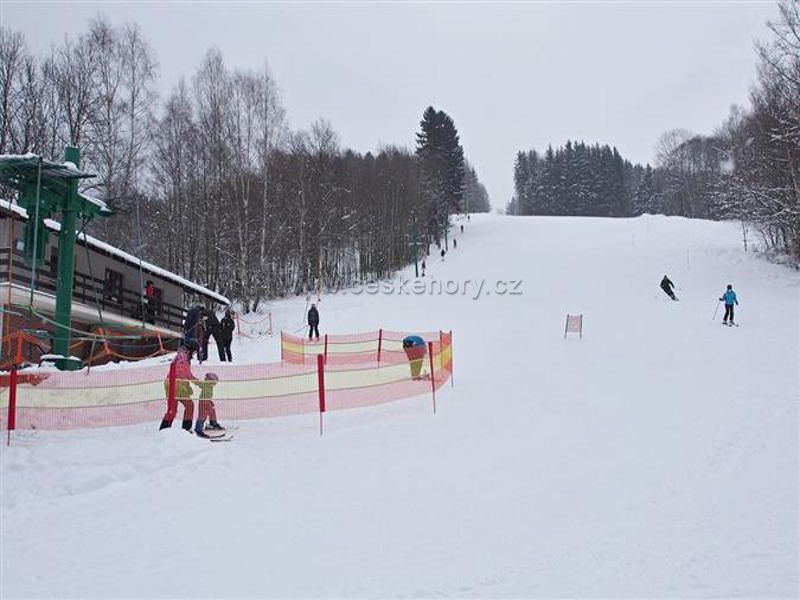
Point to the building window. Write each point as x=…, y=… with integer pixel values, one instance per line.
x=112, y=288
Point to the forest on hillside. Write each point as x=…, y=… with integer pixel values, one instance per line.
x=211, y=182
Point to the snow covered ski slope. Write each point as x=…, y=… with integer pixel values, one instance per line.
x=655, y=457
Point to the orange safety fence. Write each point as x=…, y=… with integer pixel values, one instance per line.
x=382, y=346
x=106, y=397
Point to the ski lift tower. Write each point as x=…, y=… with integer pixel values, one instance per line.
x=45, y=189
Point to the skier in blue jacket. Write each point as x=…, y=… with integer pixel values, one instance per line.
x=730, y=299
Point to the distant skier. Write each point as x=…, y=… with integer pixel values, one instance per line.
x=313, y=321
x=442, y=254
x=455, y=243
x=730, y=299
x=423, y=267
x=462, y=229
x=415, y=351
x=667, y=286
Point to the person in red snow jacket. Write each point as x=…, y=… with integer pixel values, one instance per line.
x=183, y=386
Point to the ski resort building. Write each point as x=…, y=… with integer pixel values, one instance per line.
x=106, y=298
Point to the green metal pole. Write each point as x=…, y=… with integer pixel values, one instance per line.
x=35, y=229
x=66, y=267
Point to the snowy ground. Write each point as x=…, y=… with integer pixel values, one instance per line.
x=656, y=457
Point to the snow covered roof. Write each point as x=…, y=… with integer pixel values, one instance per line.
x=122, y=255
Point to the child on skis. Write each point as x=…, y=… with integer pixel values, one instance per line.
x=730, y=299
x=205, y=406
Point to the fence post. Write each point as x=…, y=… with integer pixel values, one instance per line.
x=19, y=349
x=270, y=323
x=321, y=386
x=12, y=403
x=238, y=327
x=160, y=344
x=452, y=379
x=380, y=343
x=433, y=376
x=326, y=347
x=566, y=325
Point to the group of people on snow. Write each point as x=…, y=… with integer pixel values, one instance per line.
x=201, y=324
x=729, y=298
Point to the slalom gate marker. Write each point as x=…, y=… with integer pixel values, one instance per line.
x=305, y=382
x=574, y=324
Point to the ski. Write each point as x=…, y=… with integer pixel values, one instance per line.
x=221, y=438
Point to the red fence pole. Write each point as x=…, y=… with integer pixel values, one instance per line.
x=452, y=380
x=321, y=386
x=172, y=403
x=12, y=403
x=433, y=376
x=380, y=343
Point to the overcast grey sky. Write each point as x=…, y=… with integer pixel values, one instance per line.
x=513, y=76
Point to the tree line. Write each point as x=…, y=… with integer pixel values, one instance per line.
x=748, y=169
x=217, y=186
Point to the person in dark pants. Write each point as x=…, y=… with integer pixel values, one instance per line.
x=730, y=299
x=667, y=286
x=313, y=321
x=225, y=338
x=191, y=324
x=210, y=325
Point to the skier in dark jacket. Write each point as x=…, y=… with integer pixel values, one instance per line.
x=730, y=299
x=210, y=328
x=313, y=321
x=667, y=286
x=225, y=338
x=191, y=324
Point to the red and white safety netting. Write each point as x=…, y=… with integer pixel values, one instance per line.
x=351, y=376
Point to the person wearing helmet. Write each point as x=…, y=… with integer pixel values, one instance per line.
x=730, y=299
x=205, y=406
x=414, y=346
x=667, y=286
x=183, y=386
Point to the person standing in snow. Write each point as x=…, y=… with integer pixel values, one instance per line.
x=313, y=321
x=183, y=386
x=225, y=339
x=210, y=328
x=442, y=254
x=667, y=286
x=455, y=243
x=729, y=297
x=191, y=324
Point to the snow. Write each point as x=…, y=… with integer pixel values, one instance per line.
x=655, y=457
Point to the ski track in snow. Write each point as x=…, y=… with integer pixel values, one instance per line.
x=656, y=457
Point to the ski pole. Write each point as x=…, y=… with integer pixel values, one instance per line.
x=716, y=308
